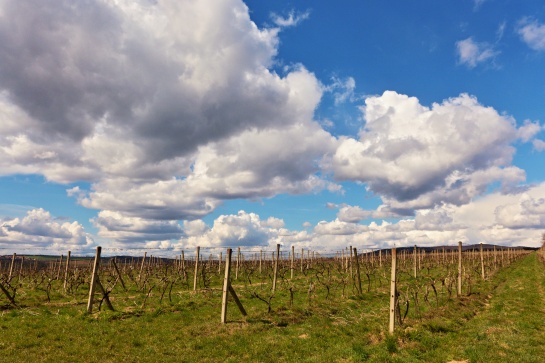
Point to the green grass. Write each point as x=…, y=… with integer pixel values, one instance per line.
x=501, y=321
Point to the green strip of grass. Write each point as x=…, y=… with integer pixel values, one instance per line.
x=510, y=327
x=501, y=321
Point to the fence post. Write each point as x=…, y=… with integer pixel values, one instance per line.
x=415, y=256
x=93, y=280
x=226, y=286
x=459, y=290
x=292, y=260
x=358, y=278
x=66, y=270
x=11, y=267
x=276, y=266
x=393, y=292
x=198, y=252
x=142, y=267
x=482, y=262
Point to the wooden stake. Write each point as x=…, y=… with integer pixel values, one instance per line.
x=415, y=256
x=292, y=260
x=276, y=267
x=94, y=278
x=393, y=292
x=11, y=266
x=118, y=274
x=482, y=262
x=198, y=252
x=358, y=278
x=459, y=290
x=226, y=284
x=66, y=269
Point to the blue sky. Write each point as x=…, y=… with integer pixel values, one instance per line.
x=140, y=125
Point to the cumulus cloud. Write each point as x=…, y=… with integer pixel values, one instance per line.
x=167, y=108
x=242, y=229
x=354, y=214
x=471, y=53
x=532, y=33
x=39, y=229
x=416, y=157
x=132, y=230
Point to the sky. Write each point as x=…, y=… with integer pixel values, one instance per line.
x=162, y=125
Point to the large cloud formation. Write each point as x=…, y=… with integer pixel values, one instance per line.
x=417, y=157
x=168, y=108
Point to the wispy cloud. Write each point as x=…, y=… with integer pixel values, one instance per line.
x=292, y=19
x=532, y=33
x=471, y=53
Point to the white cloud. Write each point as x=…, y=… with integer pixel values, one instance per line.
x=527, y=131
x=167, y=108
x=38, y=229
x=343, y=90
x=243, y=229
x=116, y=227
x=417, y=157
x=338, y=227
x=532, y=33
x=539, y=145
x=472, y=53
x=292, y=19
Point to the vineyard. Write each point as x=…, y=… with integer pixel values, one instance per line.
x=209, y=299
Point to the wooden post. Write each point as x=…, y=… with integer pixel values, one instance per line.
x=219, y=263
x=238, y=263
x=66, y=269
x=227, y=288
x=94, y=278
x=292, y=260
x=415, y=256
x=358, y=278
x=226, y=284
x=198, y=252
x=302, y=258
x=260, y=260
x=11, y=266
x=142, y=267
x=276, y=267
x=118, y=273
x=459, y=290
x=393, y=292
x=482, y=262
x=59, y=269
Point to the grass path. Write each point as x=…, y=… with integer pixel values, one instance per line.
x=510, y=328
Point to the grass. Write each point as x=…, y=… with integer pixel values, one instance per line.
x=500, y=321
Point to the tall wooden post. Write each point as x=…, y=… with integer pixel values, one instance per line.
x=482, y=262
x=195, y=278
x=358, y=278
x=302, y=258
x=415, y=256
x=226, y=283
x=276, y=267
x=292, y=260
x=393, y=292
x=459, y=290
x=11, y=266
x=94, y=279
x=238, y=263
x=142, y=267
x=66, y=269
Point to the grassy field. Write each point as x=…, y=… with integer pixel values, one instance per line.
x=501, y=320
